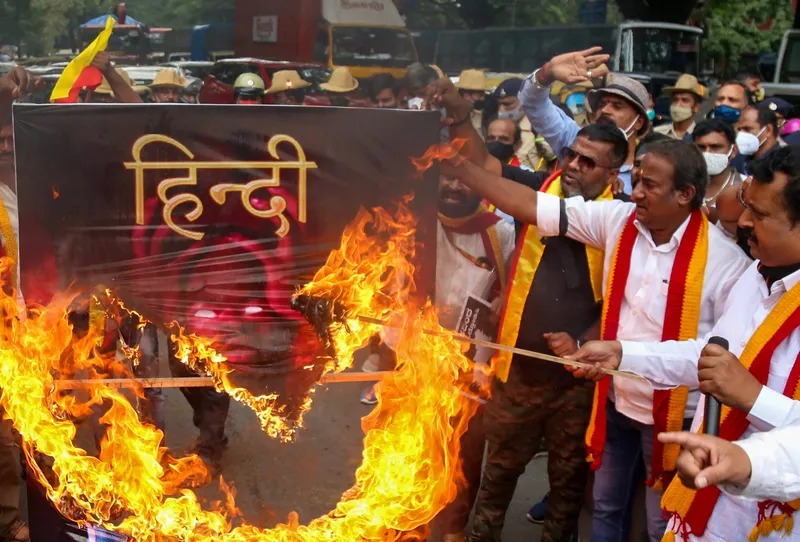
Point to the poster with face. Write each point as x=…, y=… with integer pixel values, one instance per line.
x=211, y=216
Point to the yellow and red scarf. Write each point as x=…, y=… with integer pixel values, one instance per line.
x=523, y=268
x=484, y=222
x=692, y=509
x=681, y=321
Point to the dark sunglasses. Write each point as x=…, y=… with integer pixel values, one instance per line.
x=585, y=163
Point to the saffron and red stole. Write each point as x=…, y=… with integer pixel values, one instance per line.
x=524, y=264
x=681, y=320
x=484, y=222
x=692, y=509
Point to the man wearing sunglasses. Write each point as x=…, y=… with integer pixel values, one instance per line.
x=622, y=102
x=641, y=242
x=531, y=399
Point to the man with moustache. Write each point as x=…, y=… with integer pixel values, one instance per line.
x=757, y=380
x=532, y=399
x=473, y=250
x=622, y=102
x=666, y=274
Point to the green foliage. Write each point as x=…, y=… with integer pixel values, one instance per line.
x=38, y=24
x=733, y=33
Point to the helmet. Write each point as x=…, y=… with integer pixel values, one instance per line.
x=249, y=84
x=791, y=126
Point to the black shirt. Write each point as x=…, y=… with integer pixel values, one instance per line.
x=561, y=299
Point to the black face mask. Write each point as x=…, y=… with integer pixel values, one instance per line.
x=501, y=151
x=479, y=105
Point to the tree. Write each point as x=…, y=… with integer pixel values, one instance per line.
x=737, y=29
x=674, y=11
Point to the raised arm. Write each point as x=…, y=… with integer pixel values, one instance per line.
x=13, y=85
x=443, y=93
x=546, y=119
x=123, y=92
x=513, y=198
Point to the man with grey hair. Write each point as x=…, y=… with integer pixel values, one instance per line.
x=621, y=101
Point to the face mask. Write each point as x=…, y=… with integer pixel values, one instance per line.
x=501, y=151
x=680, y=113
x=479, y=105
x=515, y=114
x=748, y=144
x=727, y=113
x=759, y=95
x=651, y=114
x=627, y=132
x=716, y=162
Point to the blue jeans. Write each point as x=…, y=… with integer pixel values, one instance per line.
x=627, y=456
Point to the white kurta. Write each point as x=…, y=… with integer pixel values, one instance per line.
x=675, y=363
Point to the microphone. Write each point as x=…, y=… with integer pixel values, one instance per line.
x=713, y=407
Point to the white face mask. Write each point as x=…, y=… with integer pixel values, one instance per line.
x=515, y=114
x=747, y=143
x=630, y=128
x=716, y=162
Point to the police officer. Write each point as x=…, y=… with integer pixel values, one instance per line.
x=249, y=89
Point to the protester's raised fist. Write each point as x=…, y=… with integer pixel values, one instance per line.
x=573, y=68
x=102, y=61
x=443, y=93
x=18, y=83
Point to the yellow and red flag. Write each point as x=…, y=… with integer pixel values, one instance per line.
x=79, y=73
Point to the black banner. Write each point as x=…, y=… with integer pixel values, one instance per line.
x=211, y=216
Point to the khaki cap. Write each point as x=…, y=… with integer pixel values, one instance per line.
x=474, y=80
x=286, y=80
x=688, y=83
x=168, y=78
x=341, y=81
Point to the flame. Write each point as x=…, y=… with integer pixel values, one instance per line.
x=439, y=152
x=409, y=470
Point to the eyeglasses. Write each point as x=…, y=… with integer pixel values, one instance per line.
x=585, y=163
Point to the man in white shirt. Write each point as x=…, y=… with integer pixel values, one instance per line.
x=763, y=466
x=666, y=200
x=473, y=249
x=759, y=378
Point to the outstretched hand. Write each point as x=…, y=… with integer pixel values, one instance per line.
x=576, y=67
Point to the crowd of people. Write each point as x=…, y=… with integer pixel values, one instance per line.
x=595, y=235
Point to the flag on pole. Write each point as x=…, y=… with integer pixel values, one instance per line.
x=79, y=73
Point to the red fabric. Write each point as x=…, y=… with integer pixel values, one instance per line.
x=735, y=423
x=90, y=78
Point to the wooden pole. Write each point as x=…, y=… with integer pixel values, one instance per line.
x=199, y=381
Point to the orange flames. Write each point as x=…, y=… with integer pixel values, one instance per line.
x=437, y=153
x=410, y=459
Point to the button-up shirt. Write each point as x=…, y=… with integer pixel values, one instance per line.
x=551, y=123
x=669, y=130
x=775, y=465
x=599, y=224
x=675, y=363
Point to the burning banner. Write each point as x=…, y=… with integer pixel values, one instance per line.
x=211, y=219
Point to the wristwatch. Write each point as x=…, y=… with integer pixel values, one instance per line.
x=535, y=80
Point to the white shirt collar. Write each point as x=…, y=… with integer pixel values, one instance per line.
x=673, y=242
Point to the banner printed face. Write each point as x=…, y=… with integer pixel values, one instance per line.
x=210, y=216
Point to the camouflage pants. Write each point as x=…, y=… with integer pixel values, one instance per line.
x=516, y=419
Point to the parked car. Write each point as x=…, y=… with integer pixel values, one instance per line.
x=143, y=75
x=218, y=85
x=191, y=68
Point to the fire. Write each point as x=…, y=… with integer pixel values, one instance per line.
x=410, y=460
x=436, y=153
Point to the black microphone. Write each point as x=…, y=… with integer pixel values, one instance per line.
x=713, y=407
